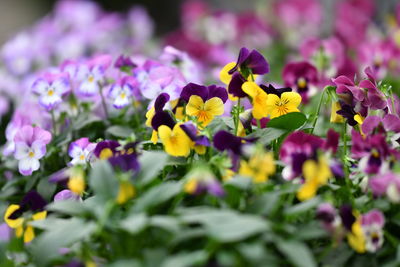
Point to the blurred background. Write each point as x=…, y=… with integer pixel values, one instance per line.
x=15, y=15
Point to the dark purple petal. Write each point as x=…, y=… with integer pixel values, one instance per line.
x=257, y=63
x=332, y=140
x=391, y=123
x=215, y=188
x=31, y=201
x=270, y=89
x=336, y=169
x=243, y=54
x=125, y=161
x=217, y=91
x=326, y=213
x=110, y=144
x=346, y=214
x=298, y=160
x=202, y=140
x=235, y=86
x=162, y=118
x=194, y=89
x=347, y=112
x=160, y=102
x=190, y=129
x=224, y=140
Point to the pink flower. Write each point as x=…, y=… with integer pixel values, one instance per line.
x=80, y=151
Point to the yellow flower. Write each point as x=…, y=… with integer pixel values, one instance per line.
x=359, y=119
x=259, y=167
x=336, y=118
x=76, y=182
x=356, y=238
x=149, y=116
x=154, y=137
x=204, y=111
x=176, y=142
x=278, y=106
x=227, y=175
x=190, y=186
x=259, y=98
x=315, y=175
x=18, y=224
x=126, y=192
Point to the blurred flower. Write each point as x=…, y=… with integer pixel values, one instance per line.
x=123, y=92
x=372, y=225
x=76, y=182
x=259, y=167
x=66, y=195
x=202, y=180
x=386, y=184
x=80, y=151
x=30, y=146
x=122, y=157
x=18, y=121
x=126, y=191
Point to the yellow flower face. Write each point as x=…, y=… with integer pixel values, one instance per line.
x=10, y=222
x=336, y=118
x=176, y=142
x=315, y=174
x=76, y=183
x=259, y=167
x=259, y=99
x=205, y=112
x=278, y=106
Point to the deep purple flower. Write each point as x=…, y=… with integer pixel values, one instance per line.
x=270, y=89
x=348, y=113
x=31, y=201
x=190, y=129
x=347, y=216
x=51, y=88
x=5, y=232
x=30, y=146
x=303, y=77
x=123, y=62
x=205, y=92
x=327, y=214
x=124, y=157
x=250, y=61
x=80, y=151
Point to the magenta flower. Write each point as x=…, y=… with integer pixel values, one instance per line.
x=80, y=151
x=387, y=185
x=124, y=91
x=372, y=225
x=30, y=146
x=51, y=88
x=303, y=77
x=328, y=216
x=19, y=120
x=91, y=73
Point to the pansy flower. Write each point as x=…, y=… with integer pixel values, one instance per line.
x=18, y=121
x=30, y=146
x=387, y=184
x=91, y=73
x=51, y=88
x=259, y=167
x=303, y=77
x=124, y=63
x=201, y=180
x=372, y=225
x=65, y=195
x=80, y=151
x=122, y=157
x=15, y=215
x=286, y=103
x=204, y=102
x=248, y=64
x=200, y=142
x=176, y=142
x=123, y=91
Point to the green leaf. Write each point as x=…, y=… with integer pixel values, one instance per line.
x=186, y=259
x=63, y=234
x=267, y=135
x=46, y=189
x=134, y=223
x=120, y=131
x=157, y=195
x=297, y=252
x=303, y=206
x=240, y=182
x=103, y=181
x=151, y=163
x=69, y=207
x=168, y=223
x=288, y=122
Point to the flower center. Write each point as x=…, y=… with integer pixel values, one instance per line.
x=301, y=83
x=50, y=92
x=82, y=157
x=123, y=95
x=90, y=78
x=31, y=154
x=203, y=115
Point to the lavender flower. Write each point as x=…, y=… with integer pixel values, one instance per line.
x=80, y=151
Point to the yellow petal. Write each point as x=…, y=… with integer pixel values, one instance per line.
x=293, y=98
x=164, y=132
x=359, y=119
x=214, y=106
x=106, y=153
x=154, y=137
x=356, y=238
x=179, y=113
x=336, y=118
x=271, y=103
x=201, y=150
x=307, y=190
x=190, y=186
x=194, y=105
x=10, y=222
x=29, y=234
x=77, y=184
x=149, y=115
x=39, y=215
x=250, y=88
x=126, y=192
x=224, y=76
x=19, y=231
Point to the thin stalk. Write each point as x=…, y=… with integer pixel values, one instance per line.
x=103, y=102
x=259, y=124
x=53, y=122
x=318, y=110
x=237, y=117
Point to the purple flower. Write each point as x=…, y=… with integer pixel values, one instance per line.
x=200, y=181
x=270, y=89
x=205, y=92
x=51, y=88
x=65, y=195
x=373, y=123
x=91, y=73
x=190, y=129
x=303, y=77
x=387, y=184
x=123, y=62
x=250, y=61
x=124, y=157
x=80, y=151
x=347, y=112
x=123, y=91
x=327, y=214
x=5, y=232
x=19, y=120
x=372, y=225
x=30, y=146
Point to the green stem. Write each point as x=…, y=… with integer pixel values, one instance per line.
x=318, y=110
x=259, y=124
x=53, y=122
x=237, y=114
x=103, y=102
